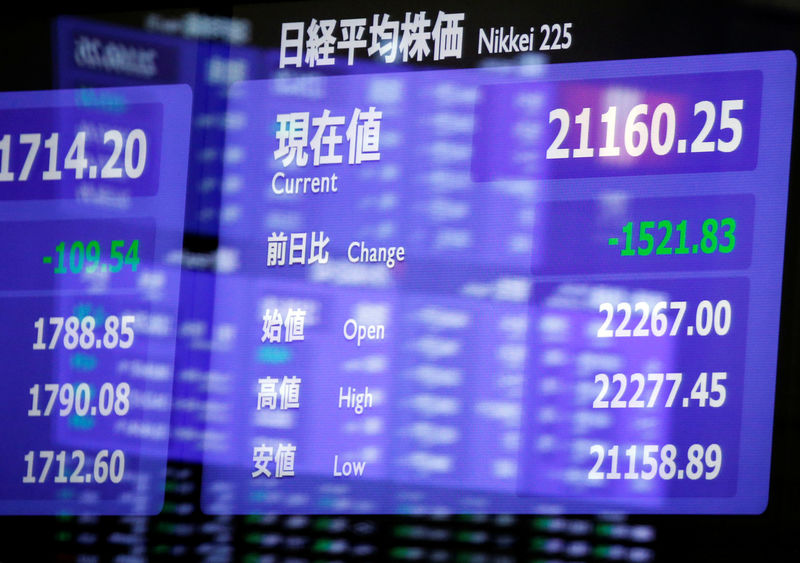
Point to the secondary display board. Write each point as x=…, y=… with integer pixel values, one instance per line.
x=92, y=192
x=518, y=289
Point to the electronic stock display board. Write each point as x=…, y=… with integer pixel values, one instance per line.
x=520, y=288
x=93, y=186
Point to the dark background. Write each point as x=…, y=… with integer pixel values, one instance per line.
x=601, y=31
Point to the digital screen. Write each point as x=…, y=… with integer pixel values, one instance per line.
x=90, y=213
x=410, y=281
x=612, y=371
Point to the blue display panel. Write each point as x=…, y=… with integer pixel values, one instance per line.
x=530, y=289
x=93, y=185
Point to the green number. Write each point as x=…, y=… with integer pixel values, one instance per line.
x=663, y=248
x=60, y=269
x=644, y=226
x=92, y=256
x=681, y=228
x=115, y=254
x=731, y=224
x=628, y=250
x=709, y=241
x=76, y=257
x=132, y=256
